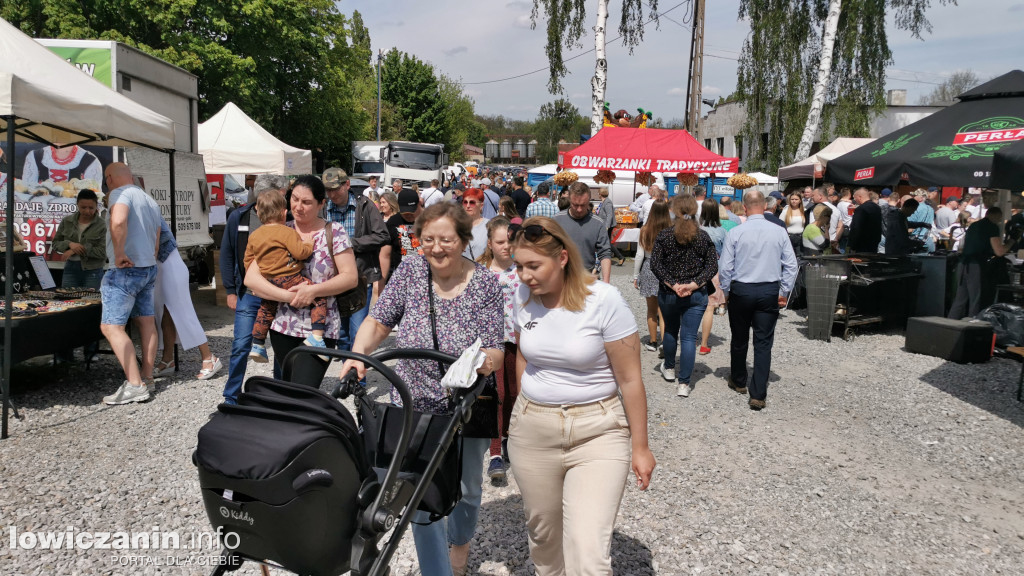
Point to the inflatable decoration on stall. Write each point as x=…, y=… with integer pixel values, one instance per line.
x=687, y=179
x=742, y=181
x=604, y=177
x=623, y=119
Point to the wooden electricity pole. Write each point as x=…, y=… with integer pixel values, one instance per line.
x=693, y=85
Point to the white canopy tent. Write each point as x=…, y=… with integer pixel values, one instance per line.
x=233, y=143
x=45, y=99
x=813, y=167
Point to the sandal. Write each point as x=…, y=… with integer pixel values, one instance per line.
x=164, y=368
x=210, y=368
x=705, y=350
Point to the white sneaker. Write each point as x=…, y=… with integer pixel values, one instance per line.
x=667, y=373
x=650, y=347
x=127, y=394
x=683, y=390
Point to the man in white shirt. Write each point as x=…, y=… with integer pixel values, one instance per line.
x=835, y=225
x=700, y=194
x=432, y=195
x=975, y=210
x=656, y=194
x=372, y=191
x=638, y=204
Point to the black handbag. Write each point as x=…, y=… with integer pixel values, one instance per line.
x=350, y=301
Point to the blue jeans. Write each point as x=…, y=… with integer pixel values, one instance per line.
x=682, y=320
x=245, y=317
x=432, y=540
x=127, y=293
x=350, y=325
x=76, y=277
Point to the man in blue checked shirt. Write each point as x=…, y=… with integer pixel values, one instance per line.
x=542, y=206
x=755, y=286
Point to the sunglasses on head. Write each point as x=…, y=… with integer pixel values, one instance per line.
x=532, y=233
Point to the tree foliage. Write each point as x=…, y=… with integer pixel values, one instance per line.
x=945, y=93
x=566, y=24
x=298, y=67
x=779, y=61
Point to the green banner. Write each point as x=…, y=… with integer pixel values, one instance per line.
x=93, y=61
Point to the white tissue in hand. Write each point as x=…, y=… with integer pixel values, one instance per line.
x=462, y=373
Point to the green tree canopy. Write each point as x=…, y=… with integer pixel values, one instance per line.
x=298, y=67
x=778, y=67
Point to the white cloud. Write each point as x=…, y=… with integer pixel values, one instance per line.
x=707, y=89
x=676, y=91
x=522, y=21
x=455, y=51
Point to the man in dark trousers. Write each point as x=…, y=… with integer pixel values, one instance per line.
x=866, y=226
x=755, y=286
x=246, y=305
x=983, y=241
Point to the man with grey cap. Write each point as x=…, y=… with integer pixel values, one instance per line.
x=240, y=223
x=366, y=231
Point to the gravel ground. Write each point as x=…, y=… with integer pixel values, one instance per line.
x=868, y=460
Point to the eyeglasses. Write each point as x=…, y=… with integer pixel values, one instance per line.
x=442, y=242
x=532, y=233
x=470, y=202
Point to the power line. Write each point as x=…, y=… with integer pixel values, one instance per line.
x=617, y=38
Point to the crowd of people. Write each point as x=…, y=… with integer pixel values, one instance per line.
x=309, y=262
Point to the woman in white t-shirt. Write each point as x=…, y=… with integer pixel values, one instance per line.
x=795, y=220
x=581, y=406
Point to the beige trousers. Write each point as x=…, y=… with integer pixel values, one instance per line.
x=570, y=463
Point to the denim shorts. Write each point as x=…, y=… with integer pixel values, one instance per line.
x=127, y=293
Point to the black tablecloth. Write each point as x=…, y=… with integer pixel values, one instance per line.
x=53, y=332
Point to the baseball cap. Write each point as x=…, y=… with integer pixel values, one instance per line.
x=885, y=193
x=408, y=200
x=933, y=189
x=486, y=181
x=334, y=178
x=952, y=199
x=776, y=194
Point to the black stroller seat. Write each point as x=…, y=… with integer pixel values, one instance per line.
x=287, y=481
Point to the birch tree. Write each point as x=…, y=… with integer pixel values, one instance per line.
x=565, y=28
x=780, y=63
x=828, y=43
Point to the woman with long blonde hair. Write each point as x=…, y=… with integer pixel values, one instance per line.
x=657, y=220
x=684, y=261
x=572, y=440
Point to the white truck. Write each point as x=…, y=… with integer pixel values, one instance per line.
x=388, y=160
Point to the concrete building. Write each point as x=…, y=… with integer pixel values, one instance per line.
x=721, y=129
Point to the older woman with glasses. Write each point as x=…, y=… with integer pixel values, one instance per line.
x=468, y=304
x=473, y=203
x=580, y=422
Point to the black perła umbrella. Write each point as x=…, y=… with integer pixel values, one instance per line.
x=953, y=147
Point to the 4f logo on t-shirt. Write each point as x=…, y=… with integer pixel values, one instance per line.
x=530, y=325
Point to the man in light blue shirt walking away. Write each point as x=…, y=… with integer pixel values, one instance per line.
x=757, y=271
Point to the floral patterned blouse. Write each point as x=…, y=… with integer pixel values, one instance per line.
x=319, y=268
x=509, y=282
x=475, y=313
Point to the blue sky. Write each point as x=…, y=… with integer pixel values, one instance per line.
x=489, y=40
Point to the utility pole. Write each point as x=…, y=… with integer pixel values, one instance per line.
x=379, y=53
x=693, y=85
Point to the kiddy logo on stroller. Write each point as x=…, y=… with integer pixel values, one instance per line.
x=302, y=487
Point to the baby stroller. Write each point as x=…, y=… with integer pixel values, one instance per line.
x=290, y=480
